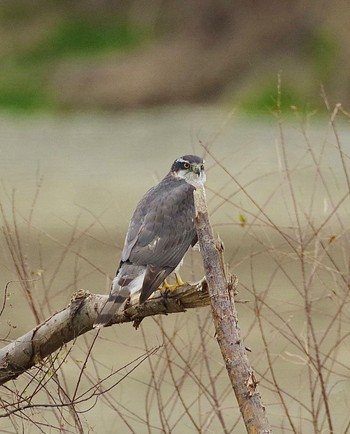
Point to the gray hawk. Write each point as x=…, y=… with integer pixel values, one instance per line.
x=160, y=232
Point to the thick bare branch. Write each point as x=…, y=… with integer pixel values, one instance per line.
x=78, y=318
x=227, y=329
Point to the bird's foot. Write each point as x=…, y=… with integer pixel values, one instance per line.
x=166, y=287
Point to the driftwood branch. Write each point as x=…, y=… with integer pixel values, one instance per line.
x=241, y=374
x=78, y=318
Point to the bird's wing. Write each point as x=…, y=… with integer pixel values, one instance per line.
x=162, y=229
x=154, y=277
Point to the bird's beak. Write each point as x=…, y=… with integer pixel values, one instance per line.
x=196, y=168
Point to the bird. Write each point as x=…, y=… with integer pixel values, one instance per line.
x=161, y=231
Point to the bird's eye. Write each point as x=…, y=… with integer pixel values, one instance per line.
x=202, y=166
x=186, y=165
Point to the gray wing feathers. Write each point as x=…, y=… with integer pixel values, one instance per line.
x=154, y=277
x=160, y=232
x=162, y=229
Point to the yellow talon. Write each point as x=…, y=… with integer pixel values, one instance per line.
x=171, y=288
x=179, y=281
x=166, y=287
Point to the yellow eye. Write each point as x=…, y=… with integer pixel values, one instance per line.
x=186, y=165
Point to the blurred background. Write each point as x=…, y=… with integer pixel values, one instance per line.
x=109, y=54
x=97, y=99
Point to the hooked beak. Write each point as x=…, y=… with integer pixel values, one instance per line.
x=196, y=168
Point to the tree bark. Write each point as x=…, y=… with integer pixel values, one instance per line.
x=228, y=333
x=78, y=318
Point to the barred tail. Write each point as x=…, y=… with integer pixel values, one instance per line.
x=127, y=281
x=116, y=298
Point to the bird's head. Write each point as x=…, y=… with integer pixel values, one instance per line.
x=190, y=168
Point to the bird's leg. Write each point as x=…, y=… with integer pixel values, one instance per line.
x=179, y=281
x=166, y=287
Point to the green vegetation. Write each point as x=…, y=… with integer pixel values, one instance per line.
x=40, y=37
x=265, y=100
x=323, y=52
x=82, y=37
x=24, y=69
x=23, y=98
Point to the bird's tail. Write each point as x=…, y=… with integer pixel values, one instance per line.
x=116, y=298
x=127, y=281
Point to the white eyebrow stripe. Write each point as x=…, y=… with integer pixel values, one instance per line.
x=181, y=160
